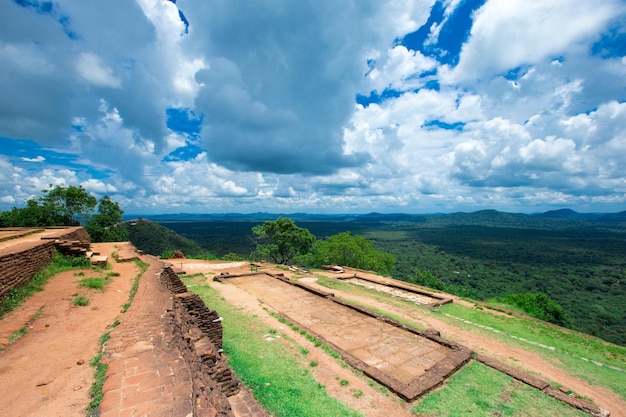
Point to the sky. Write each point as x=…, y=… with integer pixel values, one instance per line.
x=319, y=106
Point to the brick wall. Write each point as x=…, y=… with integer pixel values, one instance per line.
x=20, y=267
x=198, y=336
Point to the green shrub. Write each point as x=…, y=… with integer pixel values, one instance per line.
x=80, y=300
x=538, y=305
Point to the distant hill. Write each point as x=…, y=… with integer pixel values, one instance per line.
x=552, y=218
x=155, y=239
x=614, y=217
x=570, y=214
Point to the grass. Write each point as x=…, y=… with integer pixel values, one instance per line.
x=17, y=334
x=566, y=348
x=95, y=391
x=17, y=295
x=80, y=300
x=273, y=372
x=131, y=295
x=96, y=283
x=479, y=391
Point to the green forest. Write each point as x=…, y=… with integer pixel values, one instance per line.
x=487, y=256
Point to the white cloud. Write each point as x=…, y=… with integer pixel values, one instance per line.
x=396, y=71
x=509, y=33
x=93, y=70
x=36, y=159
x=99, y=187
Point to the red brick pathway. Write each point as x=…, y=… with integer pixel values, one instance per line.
x=146, y=376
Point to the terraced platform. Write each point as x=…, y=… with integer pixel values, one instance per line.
x=407, y=362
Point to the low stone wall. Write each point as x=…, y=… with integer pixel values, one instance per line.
x=19, y=267
x=198, y=336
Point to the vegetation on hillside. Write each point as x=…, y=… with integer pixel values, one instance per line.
x=578, y=265
x=155, y=239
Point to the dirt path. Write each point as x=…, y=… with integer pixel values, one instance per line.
x=46, y=372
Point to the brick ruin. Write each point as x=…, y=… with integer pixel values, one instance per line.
x=198, y=336
x=458, y=356
x=18, y=264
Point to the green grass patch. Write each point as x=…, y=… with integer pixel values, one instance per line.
x=478, y=391
x=17, y=335
x=17, y=295
x=104, y=338
x=131, y=295
x=80, y=300
x=567, y=348
x=96, y=283
x=272, y=372
x=95, y=391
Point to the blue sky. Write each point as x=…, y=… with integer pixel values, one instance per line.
x=316, y=106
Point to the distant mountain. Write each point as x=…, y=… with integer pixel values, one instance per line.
x=552, y=218
x=390, y=217
x=570, y=214
x=483, y=217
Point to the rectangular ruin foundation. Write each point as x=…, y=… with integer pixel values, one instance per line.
x=406, y=360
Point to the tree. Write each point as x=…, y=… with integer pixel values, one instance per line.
x=355, y=251
x=106, y=225
x=426, y=279
x=282, y=240
x=59, y=206
x=31, y=215
x=64, y=205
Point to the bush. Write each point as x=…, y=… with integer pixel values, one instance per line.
x=538, y=305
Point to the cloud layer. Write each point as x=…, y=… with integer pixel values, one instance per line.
x=317, y=106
